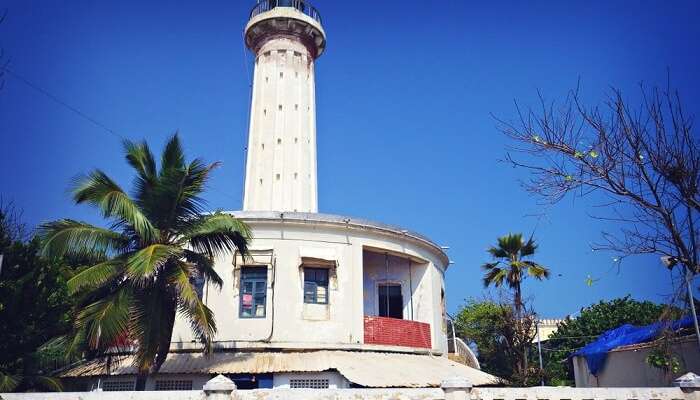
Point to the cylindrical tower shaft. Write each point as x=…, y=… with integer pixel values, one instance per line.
x=281, y=162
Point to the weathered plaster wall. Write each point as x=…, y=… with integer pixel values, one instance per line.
x=628, y=368
x=281, y=161
x=297, y=325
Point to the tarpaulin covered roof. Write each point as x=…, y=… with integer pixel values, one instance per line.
x=369, y=369
x=596, y=352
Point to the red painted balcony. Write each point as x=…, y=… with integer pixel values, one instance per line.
x=397, y=332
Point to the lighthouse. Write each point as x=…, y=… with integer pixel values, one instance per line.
x=286, y=38
x=318, y=301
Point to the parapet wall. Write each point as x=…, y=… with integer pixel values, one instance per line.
x=449, y=391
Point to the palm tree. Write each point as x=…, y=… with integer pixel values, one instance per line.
x=511, y=265
x=144, y=264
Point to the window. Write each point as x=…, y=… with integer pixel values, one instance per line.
x=198, y=284
x=118, y=386
x=174, y=385
x=253, y=292
x=390, y=301
x=316, y=285
x=251, y=381
x=308, y=383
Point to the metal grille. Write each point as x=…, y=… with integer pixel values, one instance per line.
x=308, y=383
x=118, y=386
x=173, y=384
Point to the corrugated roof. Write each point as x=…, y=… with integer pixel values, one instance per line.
x=369, y=369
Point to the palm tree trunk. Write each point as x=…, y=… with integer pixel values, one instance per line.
x=518, y=300
x=164, y=342
x=141, y=381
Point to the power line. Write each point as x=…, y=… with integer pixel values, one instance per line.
x=62, y=103
x=79, y=113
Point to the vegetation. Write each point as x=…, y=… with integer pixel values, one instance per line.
x=34, y=307
x=501, y=339
x=574, y=333
x=645, y=161
x=481, y=322
x=511, y=265
x=142, y=267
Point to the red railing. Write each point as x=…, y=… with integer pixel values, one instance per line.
x=397, y=332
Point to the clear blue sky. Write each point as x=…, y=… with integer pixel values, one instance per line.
x=404, y=94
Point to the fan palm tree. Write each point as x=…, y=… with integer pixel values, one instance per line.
x=143, y=266
x=511, y=266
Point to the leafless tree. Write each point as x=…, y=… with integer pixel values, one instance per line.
x=643, y=158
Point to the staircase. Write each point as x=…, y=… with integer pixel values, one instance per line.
x=458, y=351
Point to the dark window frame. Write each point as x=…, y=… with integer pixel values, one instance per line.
x=257, y=277
x=385, y=310
x=311, y=284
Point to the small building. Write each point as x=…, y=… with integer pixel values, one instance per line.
x=545, y=328
x=618, y=357
x=321, y=301
x=626, y=366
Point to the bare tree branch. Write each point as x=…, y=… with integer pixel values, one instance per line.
x=645, y=159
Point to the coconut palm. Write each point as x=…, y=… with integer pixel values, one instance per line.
x=142, y=267
x=511, y=266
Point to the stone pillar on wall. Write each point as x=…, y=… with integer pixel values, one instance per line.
x=220, y=388
x=456, y=388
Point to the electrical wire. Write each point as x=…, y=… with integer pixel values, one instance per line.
x=79, y=113
x=57, y=100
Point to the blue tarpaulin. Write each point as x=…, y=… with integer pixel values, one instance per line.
x=596, y=352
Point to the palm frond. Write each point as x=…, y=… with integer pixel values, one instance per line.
x=48, y=383
x=96, y=275
x=9, y=382
x=536, y=271
x=144, y=264
x=217, y=234
x=490, y=266
x=511, y=243
x=67, y=237
x=177, y=196
x=106, y=321
x=139, y=156
x=528, y=248
x=204, y=266
x=497, y=252
x=101, y=191
x=495, y=277
x=200, y=316
x=173, y=156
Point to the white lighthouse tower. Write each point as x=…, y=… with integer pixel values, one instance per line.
x=286, y=38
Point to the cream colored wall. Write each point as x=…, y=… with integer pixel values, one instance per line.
x=313, y=326
x=281, y=160
x=628, y=368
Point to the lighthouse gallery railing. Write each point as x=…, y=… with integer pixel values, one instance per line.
x=300, y=5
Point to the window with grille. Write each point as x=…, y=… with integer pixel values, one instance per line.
x=173, y=384
x=308, y=383
x=316, y=285
x=253, y=292
x=118, y=386
x=390, y=301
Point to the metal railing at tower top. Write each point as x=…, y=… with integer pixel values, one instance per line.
x=300, y=5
